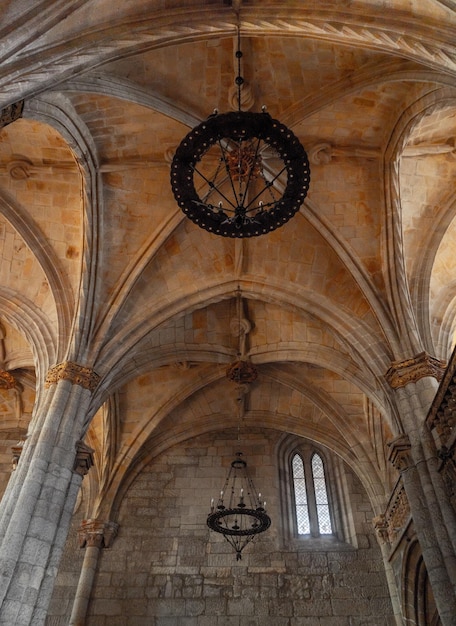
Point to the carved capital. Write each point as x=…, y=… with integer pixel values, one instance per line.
x=11, y=113
x=84, y=458
x=86, y=377
x=401, y=373
x=399, y=454
x=96, y=533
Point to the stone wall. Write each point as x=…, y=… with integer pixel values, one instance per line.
x=167, y=569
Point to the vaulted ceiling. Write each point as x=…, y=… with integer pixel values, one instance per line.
x=99, y=265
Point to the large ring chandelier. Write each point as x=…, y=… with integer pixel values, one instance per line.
x=240, y=174
x=239, y=161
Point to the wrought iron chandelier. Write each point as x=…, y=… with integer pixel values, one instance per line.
x=240, y=174
x=240, y=513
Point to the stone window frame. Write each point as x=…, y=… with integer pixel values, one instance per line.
x=343, y=535
x=312, y=505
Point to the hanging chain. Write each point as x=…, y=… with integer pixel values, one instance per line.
x=239, y=79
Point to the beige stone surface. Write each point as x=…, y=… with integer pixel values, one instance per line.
x=99, y=266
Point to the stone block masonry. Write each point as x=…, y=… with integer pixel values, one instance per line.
x=182, y=574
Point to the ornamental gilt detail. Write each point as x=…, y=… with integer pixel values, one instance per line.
x=85, y=377
x=401, y=373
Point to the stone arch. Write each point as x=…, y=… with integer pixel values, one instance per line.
x=54, y=109
x=417, y=598
x=415, y=330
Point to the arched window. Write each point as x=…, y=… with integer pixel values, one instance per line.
x=312, y=506
x=321, y=496
x=300, y=491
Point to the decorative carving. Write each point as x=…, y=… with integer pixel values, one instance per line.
x=397, y=513
x=421, y=149
x=399, y=454
x=442, y=414
x=86, y=377
x=11, y=113
x=241, y=372
x=21, y=168
x=95, y=533
x=323, y=153
x=418, y=44
x=448, y=471
x=184, y=365
x=16, y=451
x=7, y=380
x=401, y=373
x=247, y=97
x=381, y=528
x=84, y=459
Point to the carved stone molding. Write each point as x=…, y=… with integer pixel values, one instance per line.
x=401, y=373
x=322, y=153
x=11, y=113
x=399, y=454
x=96, y=533
x=381, y=528
x=84, y=458
x=86, y=377
x=16, y=453
x=21, y=167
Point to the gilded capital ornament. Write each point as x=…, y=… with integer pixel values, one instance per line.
x=401, y=373
x=96, y=533
x=77, y=374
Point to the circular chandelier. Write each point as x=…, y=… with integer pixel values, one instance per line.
x=240, y=174
x=239, y=514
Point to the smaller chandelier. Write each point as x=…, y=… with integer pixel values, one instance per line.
x=240, y=514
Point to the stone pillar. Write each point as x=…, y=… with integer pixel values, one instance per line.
x=93, y=536
x=415, y=457
x=36, y=514
x=381, y=530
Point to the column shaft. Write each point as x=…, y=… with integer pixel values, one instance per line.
x=85, y=585
x=37, y=511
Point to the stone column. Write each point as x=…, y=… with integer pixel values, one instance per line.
x=36, y=514
x=83, y=462
x=93, y=536
x=413, y=454
x=381, y=529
